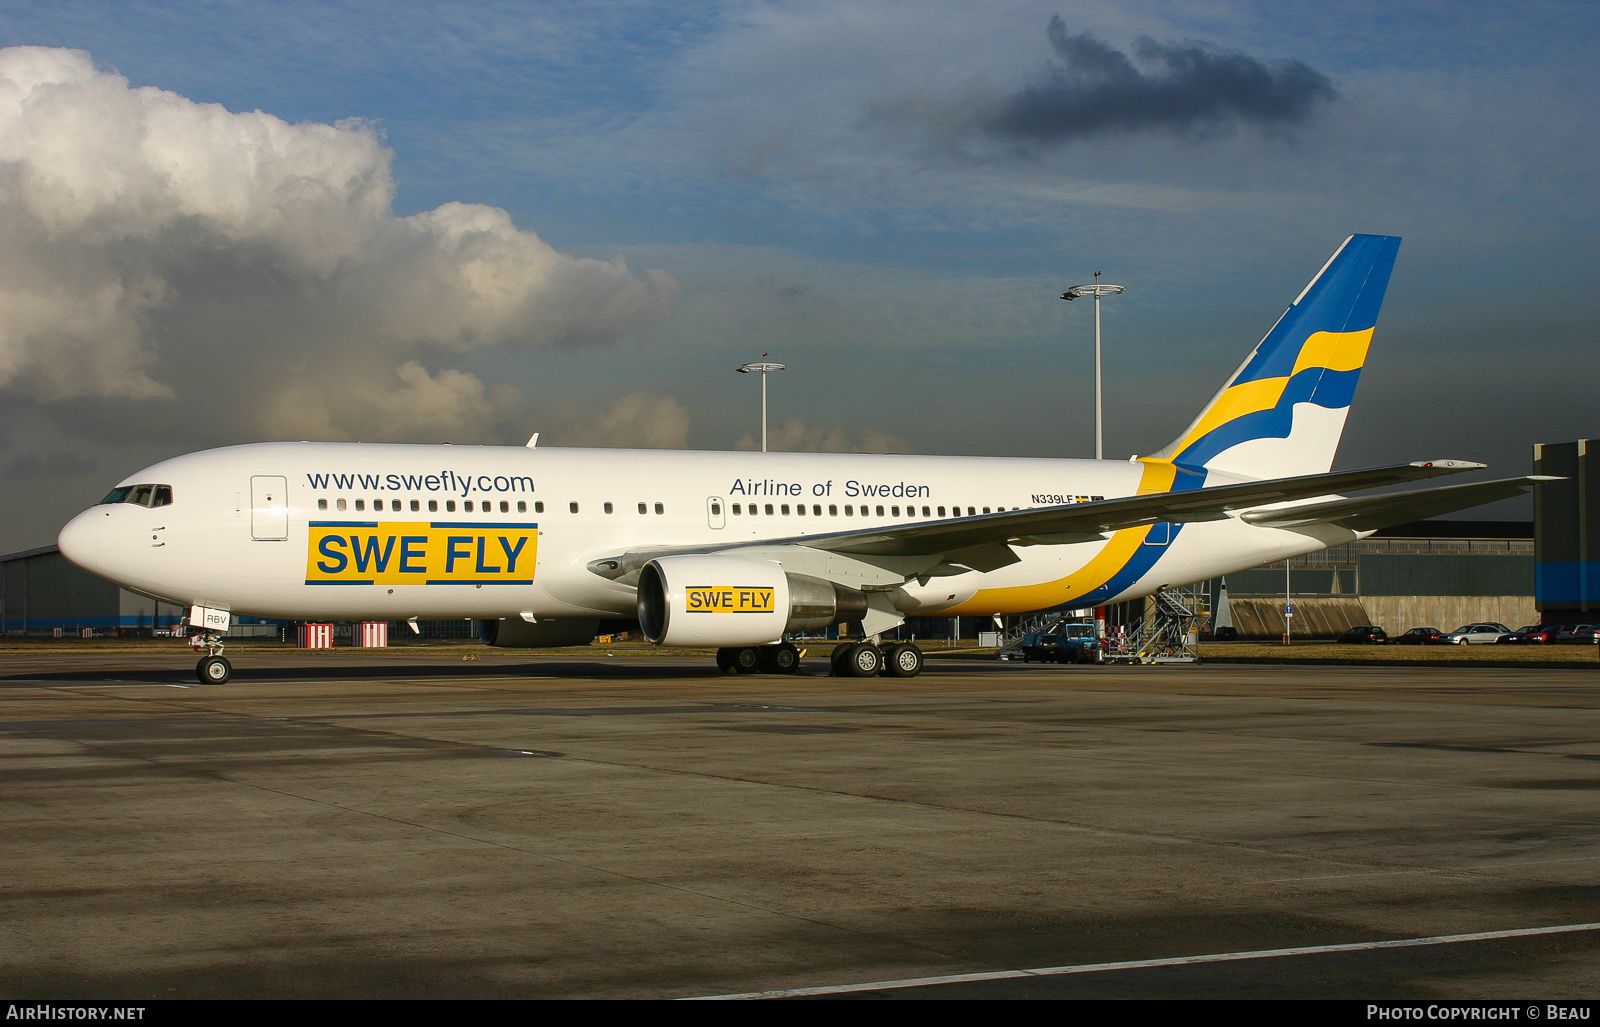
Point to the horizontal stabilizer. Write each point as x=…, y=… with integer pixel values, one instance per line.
x=1369, y=513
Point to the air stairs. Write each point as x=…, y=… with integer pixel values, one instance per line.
x=1170, y=631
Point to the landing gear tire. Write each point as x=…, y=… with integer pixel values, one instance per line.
x=213, y=670
x=725, y=661
x=746, y=659
x=902, y=661
x=780, y=659
x=836, y=660
x=863, y=661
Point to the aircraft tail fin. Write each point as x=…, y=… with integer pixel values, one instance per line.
x=1284, y=409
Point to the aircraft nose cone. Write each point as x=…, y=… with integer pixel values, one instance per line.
x=79, y=541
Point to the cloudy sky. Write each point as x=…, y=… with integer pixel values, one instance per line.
x=466, y=222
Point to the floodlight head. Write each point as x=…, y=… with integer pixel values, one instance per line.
x=761, y=366
x=1080, y=291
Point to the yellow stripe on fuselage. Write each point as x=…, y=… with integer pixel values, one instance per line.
x=1158, y=477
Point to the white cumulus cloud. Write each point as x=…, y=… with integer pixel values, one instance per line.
x=157, y=249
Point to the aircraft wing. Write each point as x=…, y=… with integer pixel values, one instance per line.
x=984, y=542
x=1369, y=513
x=1086, y=522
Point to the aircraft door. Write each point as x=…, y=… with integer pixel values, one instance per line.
x=714, y=512
x=269, y=508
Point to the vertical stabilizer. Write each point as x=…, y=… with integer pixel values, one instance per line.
x=1282, y=412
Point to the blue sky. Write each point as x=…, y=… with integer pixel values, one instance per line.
x=852, y=187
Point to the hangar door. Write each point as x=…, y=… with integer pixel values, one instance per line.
x=269, y=508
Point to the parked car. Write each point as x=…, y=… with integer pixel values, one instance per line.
x=1537, y=634
x=1366, y=634
x=1486, y=633
x=1586, y=634
x=1419, y=636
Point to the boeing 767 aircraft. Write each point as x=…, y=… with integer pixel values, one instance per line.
x=738, y=550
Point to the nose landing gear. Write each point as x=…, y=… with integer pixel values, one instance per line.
x=213, y=668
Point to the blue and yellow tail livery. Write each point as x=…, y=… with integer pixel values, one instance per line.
x=1282, y=412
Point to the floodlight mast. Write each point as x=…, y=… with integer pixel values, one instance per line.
x=762, y=366
x=1096, y=290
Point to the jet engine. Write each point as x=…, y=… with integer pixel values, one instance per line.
x=733, y=601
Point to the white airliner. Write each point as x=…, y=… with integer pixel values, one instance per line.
x=738, y=550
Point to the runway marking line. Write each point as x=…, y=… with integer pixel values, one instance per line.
x=1141, y=964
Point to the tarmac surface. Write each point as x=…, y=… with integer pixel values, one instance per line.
x=402, y=824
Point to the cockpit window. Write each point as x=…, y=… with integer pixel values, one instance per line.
x=144, y=495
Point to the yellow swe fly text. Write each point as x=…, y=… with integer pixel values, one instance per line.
x=727, y=599
x=413, y=553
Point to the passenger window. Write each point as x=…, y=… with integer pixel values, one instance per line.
x=736, y=509
x=607, y=507
x=941, y=511
x=505, y=507
x=816, y=510
x=339, y=503
x=322, y=504
x=433, y=506
x=985, y=509
x=833, y=511
x=641, y=508
x=800, y=509
x=467, y=506
x=971, y=512
x=449, y=506
x=925, y=512
x=361, y=504
x=849, y=511
x=893, y=510
x=660, y=509
x=538, y=506
x=769, y=509
x=522, y=506
x=880, y=511
x=785, y=509
x=572, y=507
x=716, y=509
x=415, y=506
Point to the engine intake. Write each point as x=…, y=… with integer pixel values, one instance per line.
x=730, y=600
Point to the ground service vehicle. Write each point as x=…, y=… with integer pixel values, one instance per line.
x=1066, y=643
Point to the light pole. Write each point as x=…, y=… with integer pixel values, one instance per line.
x=763, y=367
x=1096, y=290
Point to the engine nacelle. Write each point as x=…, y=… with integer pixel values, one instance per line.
x=519, y=634
x=730, y=600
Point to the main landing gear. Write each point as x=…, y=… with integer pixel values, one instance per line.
x=783, y=658
x=865, y=660
x=212, y=669
x=849, y=660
